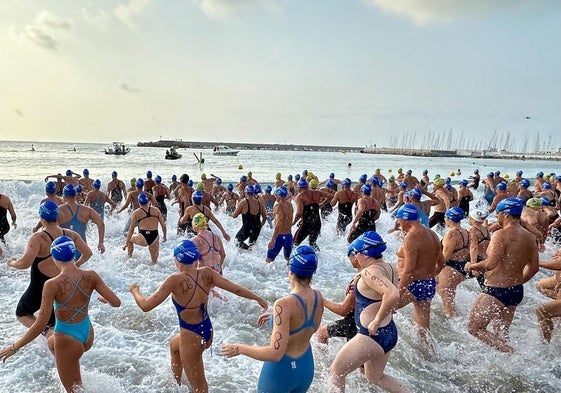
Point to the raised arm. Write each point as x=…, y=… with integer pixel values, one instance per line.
x=154, y=300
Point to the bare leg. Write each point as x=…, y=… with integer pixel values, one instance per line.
x=486, y=309
x=174, y=351
x=421, y=315
x=154, y=250
x=68, y=352
x=546, y=313
x=546, y=286
x=448, y=280
x=191, y=350
x=322, y=335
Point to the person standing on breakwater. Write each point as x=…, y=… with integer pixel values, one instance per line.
x=189, y=289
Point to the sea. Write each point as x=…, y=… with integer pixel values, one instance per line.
x=131, y=354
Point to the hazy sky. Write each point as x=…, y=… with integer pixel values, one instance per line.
x=333, y=72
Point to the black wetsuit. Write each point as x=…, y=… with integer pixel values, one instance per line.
x=251, y=227
x=366, y=222
x=310, y=226
x=4, y=225
x=345, y=216
x=464, y=205
x=162, y=206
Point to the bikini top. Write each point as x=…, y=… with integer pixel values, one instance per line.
x=201, y=307
x=308, y=322
x=79, y=310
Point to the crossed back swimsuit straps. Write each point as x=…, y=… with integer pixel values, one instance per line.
x=211, y=248
x=30, y=301
x=387, y=335
x=460, y=265
x=203, y=328
x=290, y=374
x=79, y=330
x=149, y=234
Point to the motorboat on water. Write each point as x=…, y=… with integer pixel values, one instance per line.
x=223, y=150
x=172, y=154
x=117, y=149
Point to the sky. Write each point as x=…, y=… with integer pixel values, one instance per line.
x=320, y=72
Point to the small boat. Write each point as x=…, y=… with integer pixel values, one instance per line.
x=172, y=154
x=117, y=149
x=222, y=150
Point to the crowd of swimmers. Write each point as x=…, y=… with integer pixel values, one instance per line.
x=56, y=301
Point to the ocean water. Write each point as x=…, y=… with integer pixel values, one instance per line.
x=130, y=353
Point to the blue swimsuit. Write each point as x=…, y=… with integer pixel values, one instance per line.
x=281, y=242
x=77, y=226
x=423, y=289
x=203, y=328
x=79, y=330
x=387, y=335
x=291, y=375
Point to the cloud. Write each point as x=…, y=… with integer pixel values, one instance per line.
x=224, y=9
x=128, y=13
x=47, y=19
x=129, y=89
x=99, y=18
x=39, y=37
x=424, y=12
x=19, y=113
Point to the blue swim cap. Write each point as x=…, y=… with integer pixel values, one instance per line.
x=186, y=252
x=243, y=178
x=190, y=183
x=476, y=171
x=149, y=174
x=366, y=189
x=249, y=189
x=369, y=243
x=50, y=187
x=545, y=201
x=63, y=249
x=490, y=174
x=463, y=182
x=331, y=184
x=305, y=172
x=85, y=172
x=173, y=178
x=69, y=191
x=346, y=182
x=218, y=181
x=425, y=172
x=455, y=214
x=539, y=174
x=302, y=183
x=114, y=174
x=511, y=206
x=79, y=188
x=546, y=185
x=268, y=189
x=281, y=192
x=362, y=178
x=143, y=199
x=48, y=211
x=297, y=177
x=303, y=261
x=230, y=187
x=408, y=212
x=197, y=197
x=448, y=180
x=158, y=179
x=519, y=173
x=524, y=183
x=501, y=186
x=497, y=173
x=96, y=183
x=139, y=183
x=409, y=171
x=289, y=177
x=558, y=178
x=257, y=189
x=68, y=172
x=332, y=175
x=416, y=194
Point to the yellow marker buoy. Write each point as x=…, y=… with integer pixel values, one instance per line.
x=452, y=173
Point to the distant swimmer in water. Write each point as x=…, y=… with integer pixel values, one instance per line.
x=189, y=289
x=68, y=293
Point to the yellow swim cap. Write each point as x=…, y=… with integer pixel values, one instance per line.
x=249, y=174
x=203, y=176
x=314, y=184
x=199, y=221
x=506, y=176
x=534, y=202
x=200, y=187
x=133, y=181
x=278, y=176
x=378, y=170
x=240, y=166
x=439, y=181
x=452, y=173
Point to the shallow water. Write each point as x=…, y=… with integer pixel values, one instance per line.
x=130, y=353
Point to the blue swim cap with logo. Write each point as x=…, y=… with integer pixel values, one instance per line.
x=408, y=212
x=511, y=206
x=186, y=252
x=158, y=179
x=230, y=187
x=281, y=192
x=48, y=211
x=63, y=249
x=366, y=189
x=302, y=183
x=303, y=262
x=143, y=199
x=369, y=243
x=139, y=183
x=69, y=191
x=455, y=214
x=197, y=197
x=96, y=183
x=50, y=187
